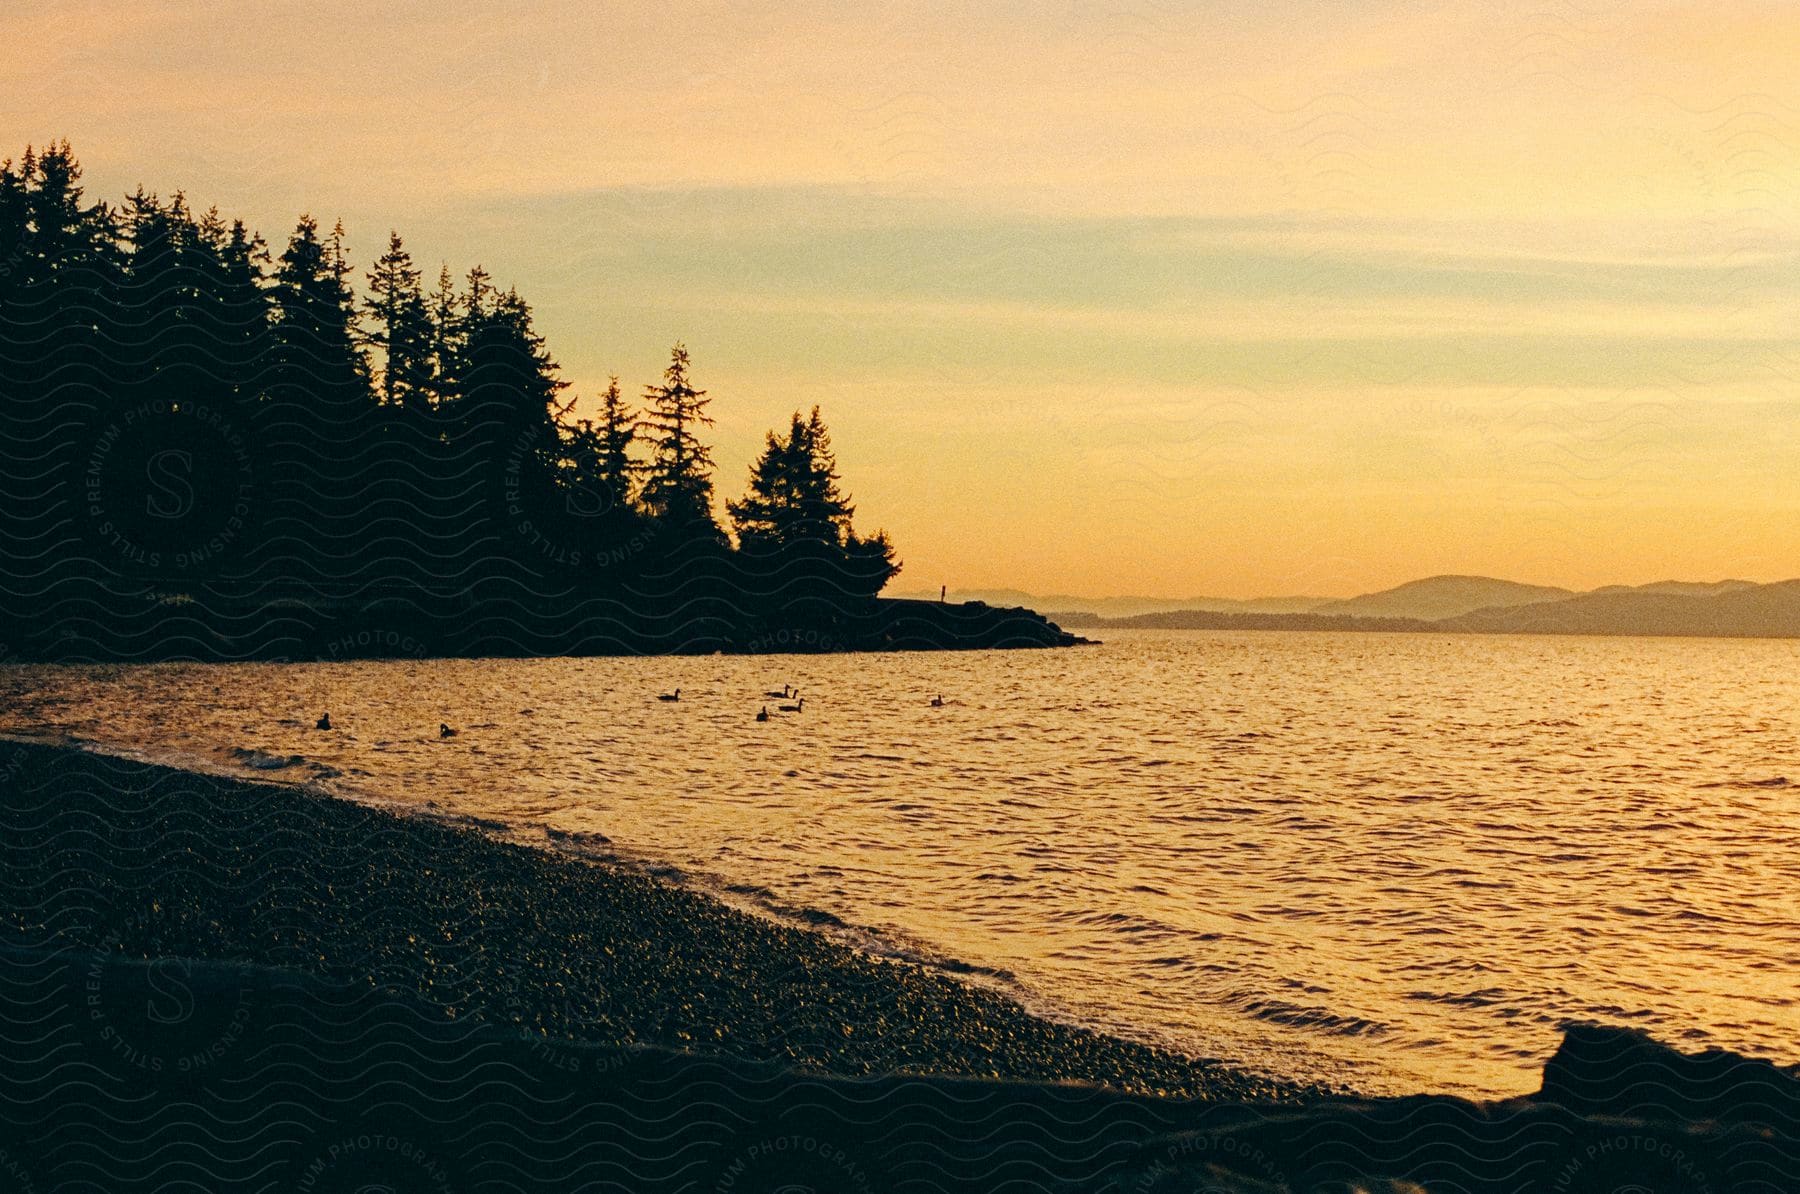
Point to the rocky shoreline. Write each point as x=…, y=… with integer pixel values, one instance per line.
x=213, y=984
x=106, y=854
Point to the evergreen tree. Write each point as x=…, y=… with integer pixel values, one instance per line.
x=403, y=328
x=183, y=287
x=322, y=458
x=678, y=478
x=794, y=495
x=61, y=231
x=506, y=402
x=15, y=225
x=460, y=335
x=444, y=310
x=508, y=371
x=154, y=236
x=316, y=318
x=475, y=303
x=244, y=309
x=618, y=428
x=870, y=563
x=794, y=502
x=763, y=517
x=824, y=511
x=60, y=267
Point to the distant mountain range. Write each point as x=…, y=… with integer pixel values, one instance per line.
x=1461, y=604
x=1123, y=607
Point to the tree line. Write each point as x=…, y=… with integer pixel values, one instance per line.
x=192, y=406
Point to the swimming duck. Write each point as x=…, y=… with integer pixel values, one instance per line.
x=784, y=694
x=795, y=707
x=937, y=702
x=444, y=731
x=324, y=722
x=669, y=696
x=762, y=714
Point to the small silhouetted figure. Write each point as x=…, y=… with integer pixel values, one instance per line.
x=943, y=592
x=795, y=707
x=762, y=714
x=937, y=702
x=669, y=696
x=784, y=694
x=324, y=722
x=444, y=731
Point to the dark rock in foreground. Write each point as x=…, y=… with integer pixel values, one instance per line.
x=1618, y=1113
x=1606, y=1070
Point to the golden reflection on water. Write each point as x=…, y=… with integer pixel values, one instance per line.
x=1399, y=861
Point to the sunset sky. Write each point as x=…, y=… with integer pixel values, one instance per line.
x=1103, y=298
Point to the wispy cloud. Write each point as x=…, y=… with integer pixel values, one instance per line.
x=1408, y=287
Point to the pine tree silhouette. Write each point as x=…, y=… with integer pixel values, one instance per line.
x=678, y=478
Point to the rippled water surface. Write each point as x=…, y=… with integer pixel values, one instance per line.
x=1396, y=861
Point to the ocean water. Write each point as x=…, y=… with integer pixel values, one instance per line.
x=1399, y=862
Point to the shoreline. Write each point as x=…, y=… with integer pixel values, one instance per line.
x=595, y=849
x=305, y=992
x=546, y=941
x=105, y=622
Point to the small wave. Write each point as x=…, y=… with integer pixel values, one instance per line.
x=1486, y=997
x=1776, y=781
x=1296, y=1015
x=465, y=820
x=258, y=760
x=577, y=837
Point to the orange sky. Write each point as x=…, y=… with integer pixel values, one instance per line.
x=1224, y=298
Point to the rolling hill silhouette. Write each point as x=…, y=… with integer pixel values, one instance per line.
x=1442, y=597
x=1482, y=605
x=1755, y=611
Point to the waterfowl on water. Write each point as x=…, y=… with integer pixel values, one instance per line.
x=669, y=696
x=762, y=714
x=795, y=707
x=937, y=702
x=784, y=694
x=324, y=722
x=444, y=731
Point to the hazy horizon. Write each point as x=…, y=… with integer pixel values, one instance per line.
x=900, y=585
x=1147, y=300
